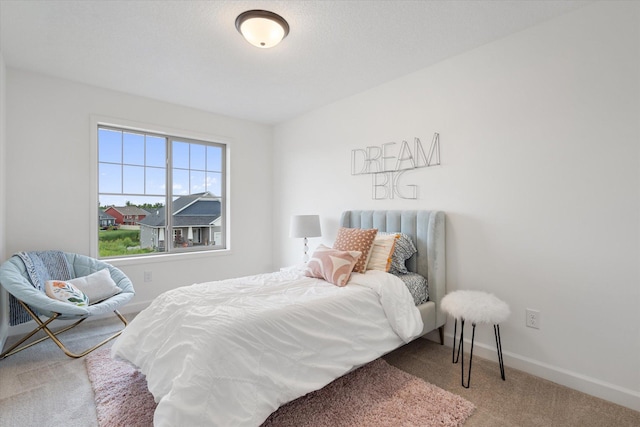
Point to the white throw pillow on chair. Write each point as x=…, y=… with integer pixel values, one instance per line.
x=97, y=286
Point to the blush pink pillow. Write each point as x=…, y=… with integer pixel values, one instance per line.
x=332, y=265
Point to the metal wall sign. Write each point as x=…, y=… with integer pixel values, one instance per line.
x=387, y=164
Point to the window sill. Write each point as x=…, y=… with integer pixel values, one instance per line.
x=172, y=257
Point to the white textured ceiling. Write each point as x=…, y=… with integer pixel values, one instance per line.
x=189, y=52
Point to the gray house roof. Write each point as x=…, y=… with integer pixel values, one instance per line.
x=103, y=215
x=130, y=210
x=195, y=210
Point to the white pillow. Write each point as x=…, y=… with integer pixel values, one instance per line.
x=97, y=286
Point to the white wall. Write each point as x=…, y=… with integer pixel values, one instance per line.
x=539, y=179
x=3, y=161
x=4, y=315
x=48, y=178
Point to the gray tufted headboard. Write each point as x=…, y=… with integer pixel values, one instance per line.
x=427, y=229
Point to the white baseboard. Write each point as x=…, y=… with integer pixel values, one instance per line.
x=583, y=383
x=134, y=307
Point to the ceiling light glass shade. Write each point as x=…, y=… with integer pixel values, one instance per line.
x=262, y=28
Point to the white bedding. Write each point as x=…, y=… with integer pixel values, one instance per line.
x=231, y=352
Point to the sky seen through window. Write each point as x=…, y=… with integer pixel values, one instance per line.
x=132, y=168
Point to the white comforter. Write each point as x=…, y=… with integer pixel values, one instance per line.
x=229, y=353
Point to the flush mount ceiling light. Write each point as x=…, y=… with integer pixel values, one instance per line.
x=262, y=28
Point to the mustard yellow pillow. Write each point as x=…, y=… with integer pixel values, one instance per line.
x=382, y=252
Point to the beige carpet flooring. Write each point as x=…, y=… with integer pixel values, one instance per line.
x=43, y=387
x=521, y=400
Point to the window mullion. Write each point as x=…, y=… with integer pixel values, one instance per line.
x=169, y=197
x=121, y=161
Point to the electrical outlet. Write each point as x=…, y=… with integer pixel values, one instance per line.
x=147, y=276
x=533, y=318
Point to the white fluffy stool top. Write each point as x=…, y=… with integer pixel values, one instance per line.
x=475, y=307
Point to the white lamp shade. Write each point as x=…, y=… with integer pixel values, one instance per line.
x=305, y=226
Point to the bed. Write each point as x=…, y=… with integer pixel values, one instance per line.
x=428, y=230
x=231, y=352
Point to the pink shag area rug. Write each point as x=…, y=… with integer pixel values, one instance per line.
x=374, y=395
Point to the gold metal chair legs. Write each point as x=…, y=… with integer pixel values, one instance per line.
x=53, y=335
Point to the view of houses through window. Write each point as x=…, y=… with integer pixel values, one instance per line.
x=142, y=177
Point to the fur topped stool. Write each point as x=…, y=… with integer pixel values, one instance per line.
x=475, y=307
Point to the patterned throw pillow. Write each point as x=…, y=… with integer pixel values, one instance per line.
x=404, y=249
x=356, y=239
x=381, y=252
x=332, y=265
x=65, y=292
x=417, y=286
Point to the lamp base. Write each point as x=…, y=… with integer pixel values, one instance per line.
x=305, y=257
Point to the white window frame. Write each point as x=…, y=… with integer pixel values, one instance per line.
x=95, y=123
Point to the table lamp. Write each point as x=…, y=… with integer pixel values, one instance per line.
x=305, y=226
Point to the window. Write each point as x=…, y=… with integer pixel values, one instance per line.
x=165, y=193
